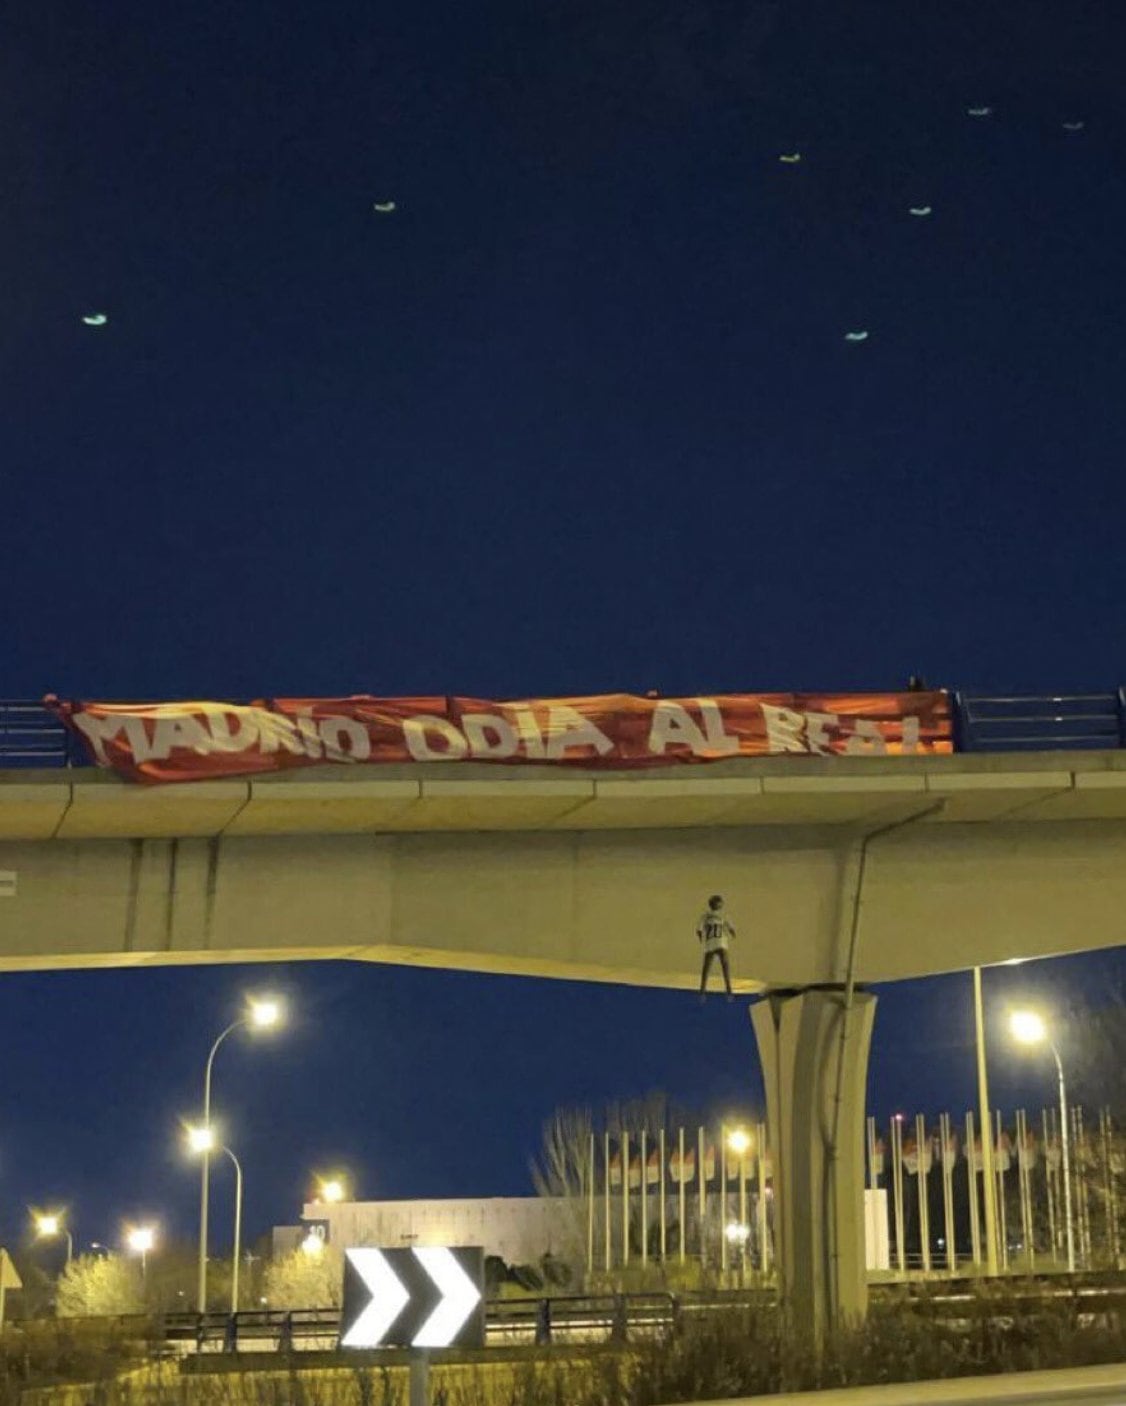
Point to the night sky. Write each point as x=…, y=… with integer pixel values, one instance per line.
x=577, y=416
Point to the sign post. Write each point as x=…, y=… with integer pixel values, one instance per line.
x=419, y=1394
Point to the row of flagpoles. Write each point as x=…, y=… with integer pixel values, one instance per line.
x=662, y=1195
x=691, y=1161
x=1054, y=1200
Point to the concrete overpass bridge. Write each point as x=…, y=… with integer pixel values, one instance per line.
x=837, y=872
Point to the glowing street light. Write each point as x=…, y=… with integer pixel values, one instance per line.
x=737, y=1232
x=264, y=1012
x=1030, y=1028
x=739, y=1141
x=1027, y=1027
x=51, y=1224
x=141, y=1239
x=261, y=1013
x=203, y=1140
x=331, y=1190
x=313, y=1244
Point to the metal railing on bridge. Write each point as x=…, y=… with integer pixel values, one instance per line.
x=30, y=736
x=570, y=1317
x=1039, y=723
x=596, y=1318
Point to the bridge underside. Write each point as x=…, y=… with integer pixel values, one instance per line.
x=835, y=871
x=574, y=875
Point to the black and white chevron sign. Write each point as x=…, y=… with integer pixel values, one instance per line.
x=427, y=1296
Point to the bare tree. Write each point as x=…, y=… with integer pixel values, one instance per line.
x=562, y=1168
x=1095, y=1040
x=561, y=1172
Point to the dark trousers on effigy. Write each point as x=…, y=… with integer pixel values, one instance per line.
x=709, y=958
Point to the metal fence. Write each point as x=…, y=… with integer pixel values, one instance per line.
x=30, y=736
x=576, y=1318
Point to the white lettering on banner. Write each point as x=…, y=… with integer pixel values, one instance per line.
x=222, y=738
x=867, y=740
x=99, y=731
x=783, y=729
x=489, y=735
x=337, y=730
x=156, y=732
x=673, y=723
x=817, y=727
x=277, y=732
x=719, y=740
x=530, y=734
x=185, y=731
x=415, y=734
x=307, y=728
x=789, y=731
x=567, y=728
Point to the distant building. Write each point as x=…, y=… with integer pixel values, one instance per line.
x=520, y=1229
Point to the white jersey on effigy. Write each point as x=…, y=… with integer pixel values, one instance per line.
x=714, y=931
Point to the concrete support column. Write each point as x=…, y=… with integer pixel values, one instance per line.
x=815, y=1084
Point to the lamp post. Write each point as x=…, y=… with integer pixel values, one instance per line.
x=1029, y=1028
x=738, y=1143
x=141, y=1239
x=50, y=1225
x=260, y=1014
x=988, y=1184
x=202, y=1140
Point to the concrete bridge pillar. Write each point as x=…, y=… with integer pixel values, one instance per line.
x=814, y=1046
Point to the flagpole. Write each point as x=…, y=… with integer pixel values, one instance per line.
x=644, y=1203
x=664, y=1195
x=606, y=1199
x=680, y=1184
x=703, y=1187
x=625, y=1199
x=590, y=1211
x=989, y=1189
x=723, y=1198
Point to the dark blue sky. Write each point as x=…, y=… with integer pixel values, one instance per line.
x=420, y=1082
x=577, y=417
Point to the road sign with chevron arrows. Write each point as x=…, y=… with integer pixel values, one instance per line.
x=427, y=1296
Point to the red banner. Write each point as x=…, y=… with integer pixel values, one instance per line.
x=195, y=741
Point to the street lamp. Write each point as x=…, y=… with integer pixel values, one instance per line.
x=331, y=1190
x=1029, y=1028
x=262, y=1013
x=313, y=1244
x=739, y=1142
x=985, y=1117
x=49, y=1225
x=202, y=1140
x=141, y=1239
